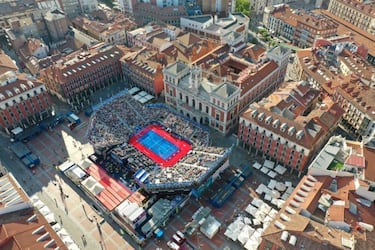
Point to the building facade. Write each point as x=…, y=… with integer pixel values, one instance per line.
x=347, y=78
x=289, y=126
x=357, y=12
x=218, y=6
x=298, y=26
x=229, y=30
x=72, y=8
x=218, y=87
x=113, y=32
x=88, y=6
x=143, y=69
x=23, y=101
x=126, y=6
x=145, y=13
x=57, y=24
x=357, y=100
x=75, y=77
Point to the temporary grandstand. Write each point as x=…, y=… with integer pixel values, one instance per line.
x=181, y=159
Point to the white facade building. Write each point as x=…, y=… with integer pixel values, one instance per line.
x=88, y=6
x=229, y=30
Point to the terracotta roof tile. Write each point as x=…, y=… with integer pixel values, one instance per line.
x=6, y=63
x=369, y=153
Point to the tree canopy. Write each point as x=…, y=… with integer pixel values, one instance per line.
x=243, y=6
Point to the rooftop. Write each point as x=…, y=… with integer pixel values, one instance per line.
x=22, y=227
x=334, y=196
x=284, y=113
x=15, y=85
x=80, y=62
x=201, y=18
x=6, y=63
x=297, y=17
x=344, y=27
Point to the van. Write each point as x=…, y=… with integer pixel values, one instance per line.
x=179, y=238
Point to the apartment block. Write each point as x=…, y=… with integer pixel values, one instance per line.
x=347, y=78
x=357, y=12
x=24, y=101
x=143, y=68
x=298, y=27
x=324, y=212
x=290, y=125
x=145, y=13
x=111, y=31
x=76, y=76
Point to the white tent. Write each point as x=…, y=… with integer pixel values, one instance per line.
x=264, y=170
x=268, y=197
x=275, y=194
x=268, y=164
x=273, y=213
x=245, y=234
x=250, y=209
x=234, y=229
x=280, y=169
x=285, y=196
x=142, y=93
x=251, y=245
x=257, y=165
x=257, y=202
x=271, y=185
x=289, y=190
x=272, y=174
x=280, y=186
x=288, y=183
x=262, y=189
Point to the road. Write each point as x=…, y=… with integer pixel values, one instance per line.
x=71, y=207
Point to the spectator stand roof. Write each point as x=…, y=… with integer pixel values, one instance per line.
x=107, y=190
x=133, y=91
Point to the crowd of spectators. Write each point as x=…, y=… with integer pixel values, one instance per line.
x=114, y=123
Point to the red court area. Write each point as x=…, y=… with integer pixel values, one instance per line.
x=160, y=146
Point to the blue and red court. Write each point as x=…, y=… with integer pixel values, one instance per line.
x=159, y=145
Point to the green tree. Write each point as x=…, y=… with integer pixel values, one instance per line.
x=243, y=6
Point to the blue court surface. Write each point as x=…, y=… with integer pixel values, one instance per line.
x=158, y=145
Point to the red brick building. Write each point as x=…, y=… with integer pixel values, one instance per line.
x=290, y=126
x=23, y=102
x=143, y=69
x=75, y=77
